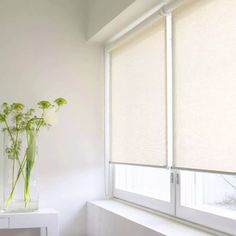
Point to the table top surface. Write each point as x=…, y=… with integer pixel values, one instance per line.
x=41, y=211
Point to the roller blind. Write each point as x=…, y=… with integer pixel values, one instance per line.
x=205, y=85
x=138, y=109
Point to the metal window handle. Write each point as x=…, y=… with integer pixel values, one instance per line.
x=177, y=178
x=172, y=178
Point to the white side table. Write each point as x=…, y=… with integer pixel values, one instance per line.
x=45, y=219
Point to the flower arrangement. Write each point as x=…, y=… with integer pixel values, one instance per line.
x=20, y=123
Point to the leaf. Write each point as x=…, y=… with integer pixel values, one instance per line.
x=18, y=116
x=5, y=104
x=44, y=104
x=30, y=160
x=17, y=106
x=6, y=108
x=2, y=118
x=60, y=101
x=14, y=150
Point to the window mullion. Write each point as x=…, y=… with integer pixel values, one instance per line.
x=169, y=105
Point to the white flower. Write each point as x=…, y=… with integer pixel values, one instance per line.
x=50, y=117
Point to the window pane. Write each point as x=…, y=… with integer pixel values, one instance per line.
x=214, y=193
x=146, y=181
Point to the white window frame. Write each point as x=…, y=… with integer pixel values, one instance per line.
x=210, y=220
x=174, y=208
x=152, y=203
x=163, y=206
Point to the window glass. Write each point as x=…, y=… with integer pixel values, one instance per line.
x=213, y=193
x=146, y=181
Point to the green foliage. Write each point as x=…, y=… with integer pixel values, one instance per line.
x=2, y=118
x=14, y=150
x=15, y=119
x=30, y=160
x=6, y=108
x=44, y=105
x=17, y=106
x=60, y=101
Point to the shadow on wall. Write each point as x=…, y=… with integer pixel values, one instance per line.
x=78, y=221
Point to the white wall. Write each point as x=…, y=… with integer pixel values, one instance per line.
x=43, y=55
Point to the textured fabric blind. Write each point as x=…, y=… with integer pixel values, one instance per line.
x=205, y=85
x=138, y=110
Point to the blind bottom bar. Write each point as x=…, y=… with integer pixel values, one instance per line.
x=175, y=168
x=134, y=164
x=205, y=171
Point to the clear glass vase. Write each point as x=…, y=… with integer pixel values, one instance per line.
x=20, y=190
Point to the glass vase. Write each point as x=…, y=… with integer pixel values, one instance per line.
x=20, y=191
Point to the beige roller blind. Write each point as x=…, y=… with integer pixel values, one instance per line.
x=138, y=110
x=205, y=85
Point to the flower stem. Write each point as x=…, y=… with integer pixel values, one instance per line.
x=17, y=178
x=30, y=160
x=13, y=172
x=13, y=141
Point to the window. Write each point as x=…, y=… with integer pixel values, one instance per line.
x=142, y=180
x=170, y=93
x=147, y=186
x=213, y=193
x=207, y=199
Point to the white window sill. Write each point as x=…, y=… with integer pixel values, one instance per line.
x=159, y=224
